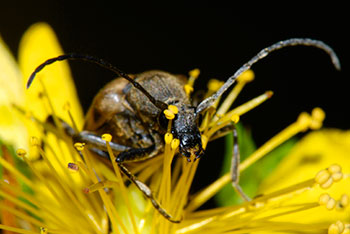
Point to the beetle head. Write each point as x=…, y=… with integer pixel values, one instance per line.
x=186, y=130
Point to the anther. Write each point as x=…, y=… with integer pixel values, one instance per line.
x=334, y=168
x=340, y=225
x=322, y=176
x=34, y=141
x=246, y=76
x=86, y=190
x=79, y=146
x=173, y=109
x=324, y=198
x=107, y=137
x=169, y=114
x=333, y=229
x=337, y=176
x=214, y=85
x=317, y=117
x=43, y=230
x=344, y=200
x=335, y=171
x=331, y=204
x=327, y=184
x=21, y=152
x=194, y=73
x=66, y=106
x=304, y=121
x=269, y=93
x=168, y=137
x=188, y=89
x=73, y=167
x=235, y=118
x=175, y=143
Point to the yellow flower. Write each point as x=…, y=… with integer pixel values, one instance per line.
x=308, y=193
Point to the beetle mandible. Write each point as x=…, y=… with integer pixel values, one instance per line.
x=131, y=110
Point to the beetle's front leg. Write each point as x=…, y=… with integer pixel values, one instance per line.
x=235, y=166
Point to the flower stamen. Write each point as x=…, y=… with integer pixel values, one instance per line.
x=242, y=80
x=193, y=76
x=108, y=138
x=302, y=124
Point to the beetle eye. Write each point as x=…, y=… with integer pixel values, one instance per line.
x=163, y=121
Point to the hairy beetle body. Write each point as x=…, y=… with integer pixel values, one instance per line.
x=123, y=111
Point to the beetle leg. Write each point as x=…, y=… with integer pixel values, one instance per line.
x=94, y=141
x=135, y=154
x=235, y=166
x=148, y=193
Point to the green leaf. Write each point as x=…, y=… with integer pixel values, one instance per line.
x=253, y=175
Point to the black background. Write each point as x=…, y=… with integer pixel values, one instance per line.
x=215, y=39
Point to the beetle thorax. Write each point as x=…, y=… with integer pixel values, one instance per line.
x=186, y=130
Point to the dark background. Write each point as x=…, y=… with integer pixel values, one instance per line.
x=215, y=39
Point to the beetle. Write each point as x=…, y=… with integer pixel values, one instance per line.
x=131, y=110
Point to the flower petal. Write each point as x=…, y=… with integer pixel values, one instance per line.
x=52, y=89
x=38, y=44
x=12, y=129
x=317, y=151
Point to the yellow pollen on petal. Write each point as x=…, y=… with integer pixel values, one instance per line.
x=79, y=146
x=107, y=137
x=21, y=152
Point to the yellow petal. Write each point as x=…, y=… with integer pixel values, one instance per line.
x=12, y=130
x=38, y=44
x=316, y=151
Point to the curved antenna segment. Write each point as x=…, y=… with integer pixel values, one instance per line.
x=262, y=54
x=161, y=105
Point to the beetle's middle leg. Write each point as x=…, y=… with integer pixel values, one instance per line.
x=129, y=154
x=148, y=193
x=235, y=166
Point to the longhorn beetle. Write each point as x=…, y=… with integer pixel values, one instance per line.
x=131, y=110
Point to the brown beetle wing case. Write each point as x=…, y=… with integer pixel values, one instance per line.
x=164, y=87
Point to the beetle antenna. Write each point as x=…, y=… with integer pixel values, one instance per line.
x=161, y=105
x=262, y=54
